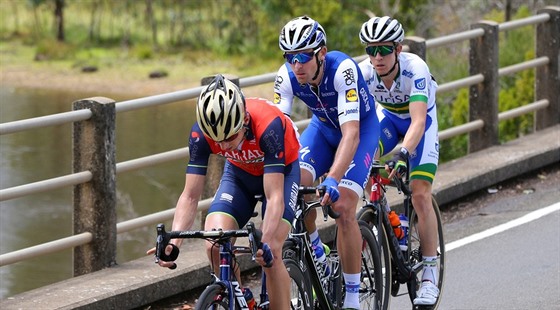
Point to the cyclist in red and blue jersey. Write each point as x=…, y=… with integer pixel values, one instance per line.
x=341, y=138
x=261, y=150
x=406, y=93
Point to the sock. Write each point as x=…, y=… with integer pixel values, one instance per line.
x=352, y=298
x=317, y=246
x=430, y=269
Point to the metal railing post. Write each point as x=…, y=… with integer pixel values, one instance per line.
x=95, y=201
x=483, y=97
x=417, y=45
x=547, y=79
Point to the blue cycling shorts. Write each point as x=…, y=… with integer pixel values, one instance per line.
x=318, y=148
x=236, y=194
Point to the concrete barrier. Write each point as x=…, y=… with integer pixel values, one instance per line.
x=140, y=282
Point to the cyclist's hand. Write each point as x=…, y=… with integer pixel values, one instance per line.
x=264, y=256
x=331, y=190
x=397, y=164
x=168, y=258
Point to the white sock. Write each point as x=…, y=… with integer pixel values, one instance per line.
x=352, y=298
x=430, y=269
x=316, y=241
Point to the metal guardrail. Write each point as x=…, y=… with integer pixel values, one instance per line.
x=139, y=163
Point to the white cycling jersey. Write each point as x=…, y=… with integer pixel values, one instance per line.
x=413, y=83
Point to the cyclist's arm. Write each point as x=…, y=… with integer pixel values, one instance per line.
x=187, y=205
x=274, y=192
x=418, y=113
x=283, y=93
x=348, y=117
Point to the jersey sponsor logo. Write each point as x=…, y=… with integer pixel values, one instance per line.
x=304, y=151
x=349, y=78
x=301, y=94
x=245, y=156
x=226, y=197
x=195, y=136
x=365, y=98
x=351, y=111
x=408, y=74
x=278, y=82
x=328, y=94
x=277, y=98
x=387, y=133
x=380, y=87
x=392, y=99
x=351, y=95
x=420, y=83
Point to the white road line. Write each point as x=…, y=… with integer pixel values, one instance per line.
x=503, y=227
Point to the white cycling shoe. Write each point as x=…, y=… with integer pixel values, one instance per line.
x=427, y=294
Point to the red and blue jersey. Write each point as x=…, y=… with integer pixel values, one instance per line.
x=269, y=145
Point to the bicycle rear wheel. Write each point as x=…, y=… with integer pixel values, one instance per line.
x=368, y=215
x=371, y=278
x=416, y=253
x=300, y=287
x=214, y=297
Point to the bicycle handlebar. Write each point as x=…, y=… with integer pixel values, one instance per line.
x=399, y=182
x=164, y=237
x=327, y=209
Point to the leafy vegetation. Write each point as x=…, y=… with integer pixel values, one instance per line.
x=242, y=36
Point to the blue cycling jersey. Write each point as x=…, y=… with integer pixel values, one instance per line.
x=342, y=96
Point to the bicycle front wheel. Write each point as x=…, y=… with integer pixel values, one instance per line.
x=214, y=297
x=300, y=287
x=416, y=253
x=368, y=215
x=371, y=278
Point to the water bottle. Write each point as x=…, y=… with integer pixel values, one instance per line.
x=403, y=242
x=251, y=303
x=395, y=221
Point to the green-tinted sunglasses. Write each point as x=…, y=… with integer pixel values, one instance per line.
x=384, y=50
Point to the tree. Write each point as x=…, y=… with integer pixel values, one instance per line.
x=59, y=19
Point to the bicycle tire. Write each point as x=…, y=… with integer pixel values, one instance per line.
x=301, y=294
x=213, y=297
x=367, y=215
x=371, y=294
x=416, y=254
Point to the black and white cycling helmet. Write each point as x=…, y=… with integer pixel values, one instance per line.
x=302, y=33
x=381, y=29
x=220, y=110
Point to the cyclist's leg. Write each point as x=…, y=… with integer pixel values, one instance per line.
x=231, y=208
x=276, y=232
x=315, y=158
x=351, y=188
x=424, y=161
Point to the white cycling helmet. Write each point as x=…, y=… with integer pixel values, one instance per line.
x=302, y=33
x=220, y=109
x=381, y=29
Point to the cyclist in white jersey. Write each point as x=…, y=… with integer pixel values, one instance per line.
x=405, y=92
x=341, y=138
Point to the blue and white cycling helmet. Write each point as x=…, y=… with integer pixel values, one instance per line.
x=381, y=29
x=302, y=33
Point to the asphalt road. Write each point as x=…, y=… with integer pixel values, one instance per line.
x=517, y=268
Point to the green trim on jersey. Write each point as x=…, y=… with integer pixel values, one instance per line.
x=400, y=108
x=419, y=98
x=424, y=172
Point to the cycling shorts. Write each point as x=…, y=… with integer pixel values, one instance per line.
x=235, y=196
x=423, y=160
x=318, y=148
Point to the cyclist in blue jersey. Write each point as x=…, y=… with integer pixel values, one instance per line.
x=406, y=93
x=341, y=138
x=261, y=148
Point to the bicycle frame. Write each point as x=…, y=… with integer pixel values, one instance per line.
x=302, y=249
x=378, y=199
x=227, y=279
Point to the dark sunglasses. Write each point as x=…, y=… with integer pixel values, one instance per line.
x=384, y=50
x=230, y=139
x=300, y=57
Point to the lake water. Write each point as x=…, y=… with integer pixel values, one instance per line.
x=45, y=153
